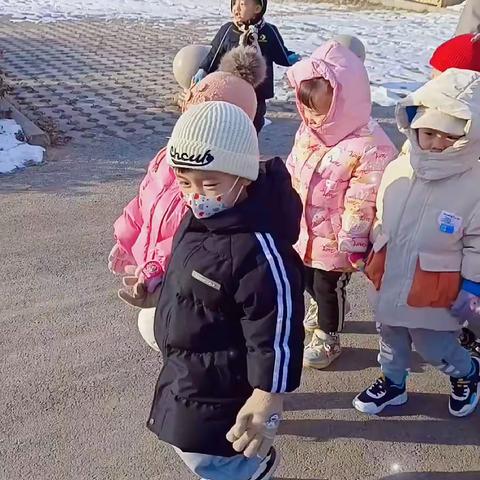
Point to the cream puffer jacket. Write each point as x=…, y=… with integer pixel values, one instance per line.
x=427, y=232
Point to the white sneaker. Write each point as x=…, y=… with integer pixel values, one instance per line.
x=268, y=466
x=311, y=318
x=322, y=350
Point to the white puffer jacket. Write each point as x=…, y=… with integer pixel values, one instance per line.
x=427, y=234
x=470, y=18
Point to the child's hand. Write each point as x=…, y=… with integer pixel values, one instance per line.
x=357, y=260
x=293, y=58
x=466, y=307
x=257, y=424
x=199, y=76
x=118, y=259
x=140, y=296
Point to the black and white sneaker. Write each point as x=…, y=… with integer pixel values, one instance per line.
x=268, y=466
x=465, y=392
x=379, y=395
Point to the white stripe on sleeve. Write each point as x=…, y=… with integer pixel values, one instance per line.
x=288, y=297
x=280, y=374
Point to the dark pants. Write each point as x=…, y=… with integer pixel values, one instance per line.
x=329, y=290
x=259, y=120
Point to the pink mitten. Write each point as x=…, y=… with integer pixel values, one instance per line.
x=357, y=260
x=118, y=259
x=150, y=274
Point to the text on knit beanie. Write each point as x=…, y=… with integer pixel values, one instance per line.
x=215, y=136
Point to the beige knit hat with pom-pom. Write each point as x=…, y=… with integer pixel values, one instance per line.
x=241, y=70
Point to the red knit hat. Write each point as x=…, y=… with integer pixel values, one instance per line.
x=459, y=52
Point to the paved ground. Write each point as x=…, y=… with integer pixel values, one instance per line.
x=76, y=379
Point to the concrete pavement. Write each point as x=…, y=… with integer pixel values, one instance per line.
x=76, y=378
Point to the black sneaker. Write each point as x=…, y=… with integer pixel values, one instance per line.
x=379, y=395
x=465, y=392
x=268, y=466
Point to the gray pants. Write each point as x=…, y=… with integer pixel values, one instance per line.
x=440, y=349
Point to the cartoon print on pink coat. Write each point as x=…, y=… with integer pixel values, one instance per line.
x=336, y=167
x=149, y=222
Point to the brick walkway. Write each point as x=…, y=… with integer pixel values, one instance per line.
x=93, y=77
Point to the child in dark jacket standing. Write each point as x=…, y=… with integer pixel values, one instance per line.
x=230, y=310
x=249, y=28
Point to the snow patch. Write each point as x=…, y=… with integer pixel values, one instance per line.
x=398, y=43
x=14, y=151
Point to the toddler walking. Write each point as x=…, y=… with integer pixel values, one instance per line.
x=229, y=311
x=144, y=232
x=336, y=165
x=425, y=261
x=250, y=28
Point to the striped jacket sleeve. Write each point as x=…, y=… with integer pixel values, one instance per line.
x=270, y=296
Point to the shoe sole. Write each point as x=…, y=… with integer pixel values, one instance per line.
x=467, y=409
x=372, y=409
x=268, y=474
x=320, y=365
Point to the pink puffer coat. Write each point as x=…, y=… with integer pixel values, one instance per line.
x=337, y=167
x=148, y=223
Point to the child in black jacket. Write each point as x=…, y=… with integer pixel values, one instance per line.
x=230, y=310
x=249, y=28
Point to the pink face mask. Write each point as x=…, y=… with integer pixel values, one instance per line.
x=203, y=206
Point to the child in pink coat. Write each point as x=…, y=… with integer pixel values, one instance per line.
x=145, y=231
x=336, y=165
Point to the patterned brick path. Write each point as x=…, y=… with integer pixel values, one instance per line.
x=94, y=77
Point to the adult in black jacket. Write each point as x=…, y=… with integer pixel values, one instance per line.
x=230, y=310
x=271, y=45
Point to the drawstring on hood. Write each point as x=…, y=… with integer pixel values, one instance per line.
x=456, y=93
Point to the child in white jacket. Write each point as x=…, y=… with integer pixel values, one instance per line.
x=425, y=264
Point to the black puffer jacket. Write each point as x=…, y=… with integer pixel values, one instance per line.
x=229, y=318
x=271, y=44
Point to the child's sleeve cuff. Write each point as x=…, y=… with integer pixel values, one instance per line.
x=471, y=287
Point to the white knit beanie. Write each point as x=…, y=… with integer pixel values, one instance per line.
x=215, y=136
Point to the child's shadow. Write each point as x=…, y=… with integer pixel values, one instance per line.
x=363, y=328
x=435, y=430
x=417, y=476
x=432, y=476
x=428, y=404
x=356, y=359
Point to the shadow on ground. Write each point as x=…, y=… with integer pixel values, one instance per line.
x=429, y=404
x=424, y=432
x=75, y=168
x=415, y=476
x=356, y=359
x=356, y=327
x=432, y=476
